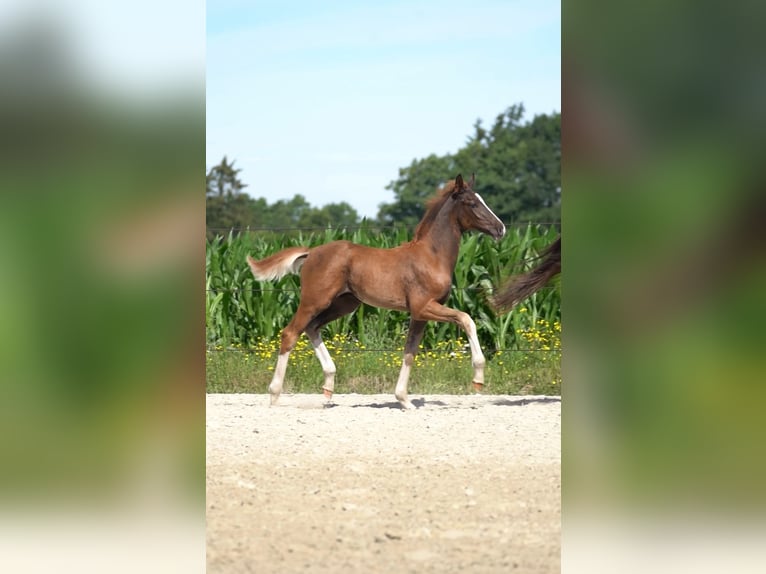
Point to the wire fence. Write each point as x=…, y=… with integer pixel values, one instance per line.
x=399, y=350
x=356, y=227
x=296, y=290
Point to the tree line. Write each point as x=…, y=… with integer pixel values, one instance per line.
x=518, y=167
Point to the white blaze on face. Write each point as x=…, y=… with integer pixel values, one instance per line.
x=484, y=203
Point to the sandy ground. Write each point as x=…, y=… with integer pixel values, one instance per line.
x=462, y=484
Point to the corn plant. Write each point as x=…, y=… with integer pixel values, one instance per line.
x=241, y=311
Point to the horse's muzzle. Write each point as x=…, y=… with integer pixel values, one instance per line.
x=498, y=233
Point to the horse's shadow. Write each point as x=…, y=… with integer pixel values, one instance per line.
x=420, y=403
x=520, y=402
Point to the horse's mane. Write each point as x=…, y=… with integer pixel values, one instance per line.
x=433, y=206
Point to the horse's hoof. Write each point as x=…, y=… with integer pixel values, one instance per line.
x=274, y=399
x=478, y=387
x=407, y=405
x=327, y=394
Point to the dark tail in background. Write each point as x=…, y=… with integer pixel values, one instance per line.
x=520, y=287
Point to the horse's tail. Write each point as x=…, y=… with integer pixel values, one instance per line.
x=280, y=264
x=520, y=287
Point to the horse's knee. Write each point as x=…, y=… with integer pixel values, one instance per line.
x=287, y=342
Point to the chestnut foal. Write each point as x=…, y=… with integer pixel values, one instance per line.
x=415, y=276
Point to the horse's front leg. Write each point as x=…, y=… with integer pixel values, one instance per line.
x=414, y=336
x=434, y=311
x=477, y=357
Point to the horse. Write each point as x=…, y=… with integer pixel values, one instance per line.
x=415, y=277
x=522, y=286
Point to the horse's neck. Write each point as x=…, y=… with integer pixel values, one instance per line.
x=443, y=238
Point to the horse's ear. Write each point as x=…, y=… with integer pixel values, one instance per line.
x=473, y=179
x=459, y=182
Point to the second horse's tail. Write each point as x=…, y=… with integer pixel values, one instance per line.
x=280, y=264
x=520, y=287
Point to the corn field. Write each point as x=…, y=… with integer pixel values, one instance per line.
x=241, y=311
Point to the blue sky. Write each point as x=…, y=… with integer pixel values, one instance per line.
x=330, y=98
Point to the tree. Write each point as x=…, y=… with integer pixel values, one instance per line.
x=517, y=166
x=333, y=214
x=226, y=206
x=222, y=180
x=415, y=185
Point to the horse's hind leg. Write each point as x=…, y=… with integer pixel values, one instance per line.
x=310, y=318
x=414, y=336
x=289, y=338
x=342, y=305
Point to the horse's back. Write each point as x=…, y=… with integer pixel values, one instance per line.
x=342, y=248
x=331, y=258
x=333, y=249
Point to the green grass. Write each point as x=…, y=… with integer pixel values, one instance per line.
x=443, y=369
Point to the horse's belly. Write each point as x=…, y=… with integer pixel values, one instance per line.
x=386, y=301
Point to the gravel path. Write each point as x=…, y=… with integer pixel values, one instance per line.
x=462, y=484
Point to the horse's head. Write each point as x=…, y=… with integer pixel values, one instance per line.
x=472, y=212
